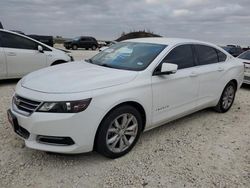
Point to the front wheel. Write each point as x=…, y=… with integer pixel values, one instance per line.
x=227, y=98
x=119, y=132
x=74, y=47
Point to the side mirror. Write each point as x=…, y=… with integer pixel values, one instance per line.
x=167, y=68
x=40, y=48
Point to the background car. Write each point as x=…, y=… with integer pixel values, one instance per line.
x=101, y=44
x=41, y=38
x=245, y=56
x=109, y=43
x=44, y=39
x=20, y=55
x=105, y=103
x=81, y=42
x=233, y=50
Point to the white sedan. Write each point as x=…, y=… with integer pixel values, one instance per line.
x=105, y=103
x=245, y=57
x=20, y=55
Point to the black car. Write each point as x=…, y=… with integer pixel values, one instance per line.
x=233, y=50
x=81, y=42
x=44, y=39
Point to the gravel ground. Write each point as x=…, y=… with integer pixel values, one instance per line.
x=205, y=149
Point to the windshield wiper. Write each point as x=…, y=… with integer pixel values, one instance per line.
x=89, y=60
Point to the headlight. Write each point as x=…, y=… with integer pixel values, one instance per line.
x=65, y=107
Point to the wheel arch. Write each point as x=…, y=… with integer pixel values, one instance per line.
x=235, y=82
x=134, y=104
x=57, y=62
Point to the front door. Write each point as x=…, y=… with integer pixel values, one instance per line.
x=175, y=94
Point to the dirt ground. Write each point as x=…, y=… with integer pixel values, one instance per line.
x=205, y=149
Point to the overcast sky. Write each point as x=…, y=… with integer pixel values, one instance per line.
x=219, y=21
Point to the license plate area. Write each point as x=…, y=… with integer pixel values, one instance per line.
x=17, y=128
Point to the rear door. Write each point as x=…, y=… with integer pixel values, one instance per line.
x=83, y=42
x=21, y=55
x=211, y=68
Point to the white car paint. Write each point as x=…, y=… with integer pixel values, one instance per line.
x=15, y=63
x=247, y=72
x=246, y=62
x=163, y=98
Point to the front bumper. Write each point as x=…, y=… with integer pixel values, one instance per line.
x=80, y=128
x=247, y=74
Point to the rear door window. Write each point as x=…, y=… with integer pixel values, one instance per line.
x=10, y=40
x=206, y=54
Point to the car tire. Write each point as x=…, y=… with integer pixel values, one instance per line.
x=118, y=132
x=227, y=98
x=94, y=47
x=74, y=47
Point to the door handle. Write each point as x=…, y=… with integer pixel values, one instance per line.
x=220, y=69
x=193, y=74
x=11, y=54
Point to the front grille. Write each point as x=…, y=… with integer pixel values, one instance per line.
x=247, y=78
x=24, y=106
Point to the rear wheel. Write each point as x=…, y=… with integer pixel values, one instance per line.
x=227, y=98
x=94, y=47
x=119, y=132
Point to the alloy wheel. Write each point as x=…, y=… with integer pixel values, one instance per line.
x=122, y=132
x=228, y=97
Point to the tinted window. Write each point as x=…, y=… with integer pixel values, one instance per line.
x=181, y=56
x=14, y=41
x=84, y=39
x=206, y=54
x=222, y=57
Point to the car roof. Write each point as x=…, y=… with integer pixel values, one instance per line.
x=167, y=41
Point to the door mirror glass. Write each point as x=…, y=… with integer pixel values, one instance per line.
x=40, y=48
x=167, y=68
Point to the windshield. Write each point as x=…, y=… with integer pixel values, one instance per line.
x=76, y=38
x=245, y=55
x=128, y=55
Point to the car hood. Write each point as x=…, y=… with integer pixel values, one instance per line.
x=75, y=77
